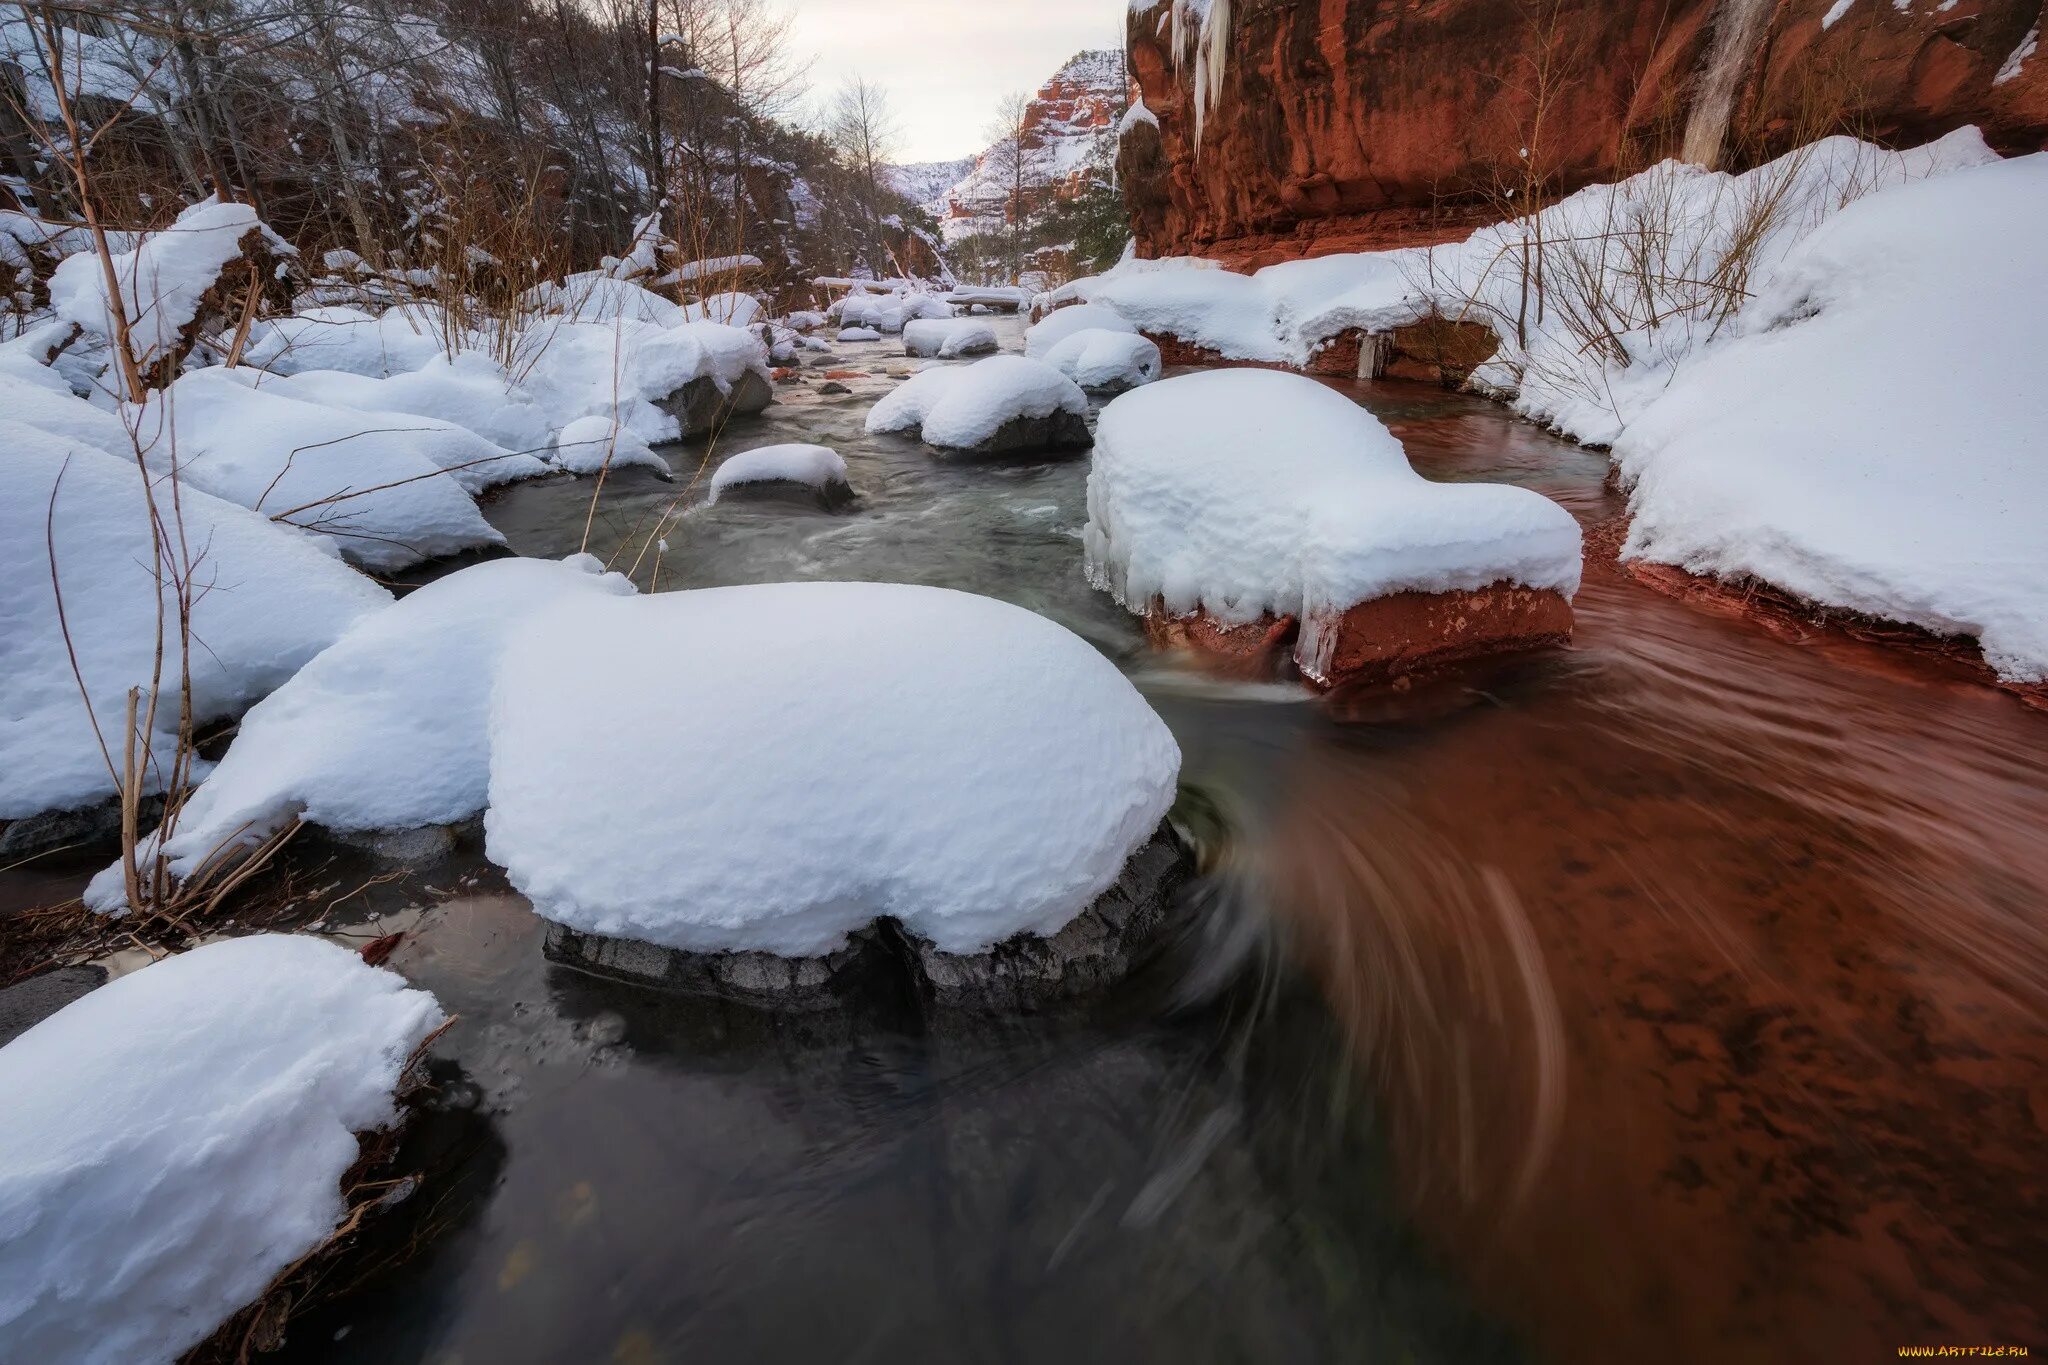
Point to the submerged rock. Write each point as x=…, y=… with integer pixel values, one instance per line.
x=1098, y=948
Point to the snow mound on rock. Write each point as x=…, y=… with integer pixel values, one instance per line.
x=948, y=338
x=341, y=338
x=590, y=444
x=376, y=482
x=730, y=309
x=1871, y=436
x=963, y=406
x=624, y=370
x=388, y=728
x=594, y=296
x=470, y=391
x=1062, y=323
x=267, y=599
x=981, y=771
x=1098, y=359
x=859, y=334
x=176, y=1138
x=1242, y=492
x=818, y=466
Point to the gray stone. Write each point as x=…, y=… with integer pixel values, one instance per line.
x=28, y=1003
x=702, y=408
x=832, y=497
x=87, y=834
x=834, y=387
x=1100, y=947
x=422, y=847
x=1061, y=430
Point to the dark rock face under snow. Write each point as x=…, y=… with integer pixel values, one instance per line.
x=1098, y=948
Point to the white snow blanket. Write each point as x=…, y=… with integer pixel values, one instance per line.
x=889, y=312
x=623, y=370
x=731, y=309
x=1872, y=432
x=376, y=482
x=396, y=341
x=589, y=445
x=470, y=459
x=818, y=466
x=948, y=338
x=1062, y=323
x=174, y=1140
x=958, y=407
x=386, y=730
x=266, y=599
x=162, y=280
x=1241, y=492
x=1099, y=359
x=982, y=772
x=470, y=391
x=594, y=296
x=36, y=396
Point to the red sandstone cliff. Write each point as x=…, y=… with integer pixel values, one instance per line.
x=1344, y=125
x=1066, y=120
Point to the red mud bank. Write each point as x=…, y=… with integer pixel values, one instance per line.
x=1705, y=984
x=1355, y=125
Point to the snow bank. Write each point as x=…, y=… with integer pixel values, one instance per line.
x=37, y=396
x=470, y=391
x=470, y=459
x=1242, y=492
x=964, y=406
x=163, y=280
x=1100, y=360
x=590, y=444
x=981, y=771
x=373, y=481
x=733, y=310
x=948, y=338
x=339, y=338
x=818, y=466
x=174, y=1140
x=267, y=599
x=595, y=296
x=386, y=730
x=1062, y=323
x=1869, y=435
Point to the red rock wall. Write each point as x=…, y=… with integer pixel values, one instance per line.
x=1348, y=125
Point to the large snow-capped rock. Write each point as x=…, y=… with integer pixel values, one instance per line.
x=1871, y=435
x=948, y=339
x=174, y=1140
x=979, y=772
x=660, y=383
x=999, y=405
x=1062, y=323
x=1252, y=499
x=265, y=600
x=378, y=484
x=816, y=471
x=1105, y=361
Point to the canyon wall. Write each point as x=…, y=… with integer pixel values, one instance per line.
x=1346, y=125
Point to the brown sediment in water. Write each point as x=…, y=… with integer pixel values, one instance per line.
x=1706, y=984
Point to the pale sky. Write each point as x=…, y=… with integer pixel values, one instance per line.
x=945, y=63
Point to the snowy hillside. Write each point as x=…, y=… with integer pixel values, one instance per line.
x=1072, y=122
x=926, y=183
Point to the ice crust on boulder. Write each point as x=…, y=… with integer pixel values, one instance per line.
x=1100, y=360
x=1243, y=492
x=267, y=599
x=819, y=467
x=982, y=772
x=175, y=1139
x=960, y=407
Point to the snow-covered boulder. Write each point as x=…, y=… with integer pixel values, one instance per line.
x=890, y=312
x=472, y=460
x=1062, y=323
x=174, y=1140
x=859, y=334
x=266, y=599
x=982, y=774
x=1103, y=361
x=805, y=321
x=1000, y=298
x=169, y=282
x=595, y=296
x=1247, y=501
x=377, y=483
x=1873, y=434
x=660, y=383
x=396, y=341
x=814, y=472
x=388, y=729
x=948, y=339
x=1004, y=404
x=470, y=391
x=731, y=309
x=589, y=445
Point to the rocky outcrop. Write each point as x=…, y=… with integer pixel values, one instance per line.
x=1098, y=948
x=1065, y=122
x=1350, y=125
x=1381, y=641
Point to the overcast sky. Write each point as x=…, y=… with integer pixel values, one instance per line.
x=944, y=63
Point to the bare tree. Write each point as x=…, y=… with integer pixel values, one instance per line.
x=862, y=129
x=1010, y=162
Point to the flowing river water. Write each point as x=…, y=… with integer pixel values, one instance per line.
x=1682, y=995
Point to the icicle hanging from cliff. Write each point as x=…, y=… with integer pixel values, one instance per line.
x=1203, y=25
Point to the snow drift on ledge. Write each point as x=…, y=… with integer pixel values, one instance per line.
x=971, y=768
x=1242, y=492
x=176, y=1138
